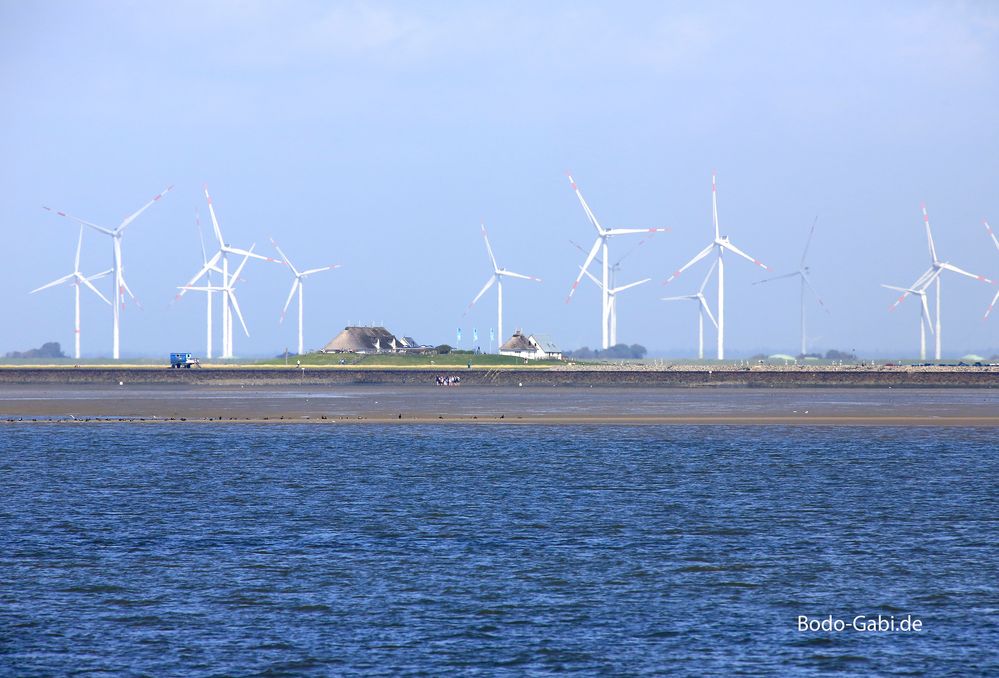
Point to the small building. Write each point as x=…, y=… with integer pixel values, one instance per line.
x=354, y=339
x=531, y=347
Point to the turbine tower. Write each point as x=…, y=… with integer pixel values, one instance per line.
x=934, y=274
x=802, y=273
x=603, y=236
x=702, y=308
x=117, y=267
x=221, y=256
x=77, y=279
x=719, y=245
x=924, y=315
x=611, y=319
x=497, y=277
x=298, y=284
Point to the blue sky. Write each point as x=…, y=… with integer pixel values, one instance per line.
x=378, y=136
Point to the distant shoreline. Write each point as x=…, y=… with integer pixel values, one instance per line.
x=644, y=376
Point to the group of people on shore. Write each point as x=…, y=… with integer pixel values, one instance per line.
x=445, y=380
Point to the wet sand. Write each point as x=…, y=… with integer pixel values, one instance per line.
x=401, y=404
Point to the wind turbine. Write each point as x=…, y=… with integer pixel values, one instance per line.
x=719, y=244
x=221, y=256
x=603, y=236
x=77, y=279
x=298, y=285
x=611, y=319
x=924, y=314
x=210, y=292
x=228, y=296
x=117, y=267
x=702, y=308
x=497, y=277
x=995, y=241
x=802, y=273
x=934, y=274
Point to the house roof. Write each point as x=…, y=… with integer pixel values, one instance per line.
x=518, y=342
x=361, y=339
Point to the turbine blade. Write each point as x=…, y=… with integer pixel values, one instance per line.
x=242, y=264
x=489, y=248
x=209, y=265
x=707, y=276
x=700, y=255
x=929, y=233
x=808, y=282
x=53, y=283
x=291, y=295
x=991, y=234
x=686, y=297
x=201, y=235
x=955, y=269
x=489, y=283
x=79, y=246
x=215, y=221
x=586, y=208
x=778, y=277
x=808, y=243
x=319, y=270
x=134, y=215
x=704, y=305
x=585, y=266
x=86, y=281
x=584, y=251
x=632, y=250
x=627, y=231
x=630, y=285
x=592, y=277
x=239, y=314
x=925, y=310
x=732, y=248
x=106, y=231
x=989, y=309
x=285, y=257
x=511, y=274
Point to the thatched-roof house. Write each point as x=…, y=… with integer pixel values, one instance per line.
x=531, y=347
x=363, y=340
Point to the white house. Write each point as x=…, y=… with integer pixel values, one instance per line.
x=531, y=347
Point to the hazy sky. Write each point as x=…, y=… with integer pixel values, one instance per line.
x=378, y=135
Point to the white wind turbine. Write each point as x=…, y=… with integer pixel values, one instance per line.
x=298, y=284
x=802, y=273
x=497, y=277
x=995, y=241
x=702, y=308
x=210, y=292
x=117, y=267
x=924, y=314
x=77, y=279
x=720, y=244
x=221, y=257
x=228, y=296
x=934, y=274
x=611, y=319
x=603, y=236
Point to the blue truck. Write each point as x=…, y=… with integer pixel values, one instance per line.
x=179, y=360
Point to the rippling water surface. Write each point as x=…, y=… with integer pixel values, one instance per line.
x=200, y=549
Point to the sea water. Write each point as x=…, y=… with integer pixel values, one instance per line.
x=201, y=549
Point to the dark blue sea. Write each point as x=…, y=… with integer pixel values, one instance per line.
x=196, y=549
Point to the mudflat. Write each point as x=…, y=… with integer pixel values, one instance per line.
x=429, y=404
